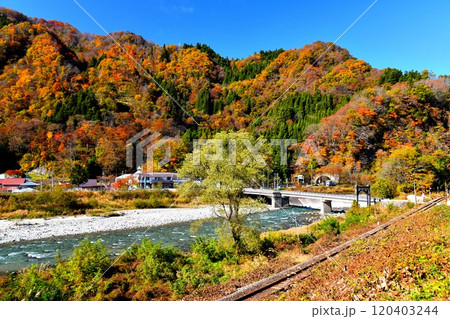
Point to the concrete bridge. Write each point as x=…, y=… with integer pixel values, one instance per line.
x=324, y=202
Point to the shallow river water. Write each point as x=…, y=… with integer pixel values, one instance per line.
x=19, y=255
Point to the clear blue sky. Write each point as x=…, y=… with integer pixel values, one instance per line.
x=406, y=34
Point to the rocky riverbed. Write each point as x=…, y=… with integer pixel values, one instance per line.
x=31, y=229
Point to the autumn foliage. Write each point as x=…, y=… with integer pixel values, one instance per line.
x=68, y=97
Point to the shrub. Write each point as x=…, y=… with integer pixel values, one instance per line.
x=152, y=202
x=88, y=262
x=410, y=205
x=277, y=237
x=54, y=202
x=209, y=248
x=279, y=240
x=203, y=266
x=158, y=262
x=307, y=239
x=391, y=207
x=12, y=204
x=65, y=200
x=130, y=254
x=141, y=194
x=31, y=285
x=268, y=247
x=197, y=272
x=130, y=195
x=328, y=225
x=42, y=198
x=249, y=238
x=385, y=189
x=93, y=203
x=90, y=259
x=356, y=216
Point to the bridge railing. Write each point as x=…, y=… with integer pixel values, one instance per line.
x=309, y=194
x=318, y=194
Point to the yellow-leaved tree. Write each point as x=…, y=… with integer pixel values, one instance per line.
x=219, y=169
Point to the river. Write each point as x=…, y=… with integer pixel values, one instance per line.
x=16, y=256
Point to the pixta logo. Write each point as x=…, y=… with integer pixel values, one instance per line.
x=146, y=143
x=220, y=153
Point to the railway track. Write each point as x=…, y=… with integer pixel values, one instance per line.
x=283, y=279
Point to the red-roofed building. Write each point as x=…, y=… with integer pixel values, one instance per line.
x=10, y=184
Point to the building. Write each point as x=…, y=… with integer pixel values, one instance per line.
x=11, y=184
x=92, y=185
x=151, y=180
x=157, y=180
x=28, y=184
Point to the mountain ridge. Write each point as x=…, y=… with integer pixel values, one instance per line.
x=80, y=88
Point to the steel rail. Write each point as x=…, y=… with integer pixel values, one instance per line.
x=247, y=292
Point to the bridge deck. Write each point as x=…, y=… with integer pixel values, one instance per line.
x=311, y=195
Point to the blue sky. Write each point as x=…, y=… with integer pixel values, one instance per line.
x=412, y=34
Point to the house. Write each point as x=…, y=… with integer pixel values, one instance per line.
x=151, y=180
x=92, y=185
x=28, y=184
x=157, y=180
x=10, y=184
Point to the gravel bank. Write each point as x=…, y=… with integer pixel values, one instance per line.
x=31, y=229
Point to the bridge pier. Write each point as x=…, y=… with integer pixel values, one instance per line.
x=326, y=207
x=278, y=200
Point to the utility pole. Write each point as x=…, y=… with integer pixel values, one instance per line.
x=375, y=210
x=415, y=193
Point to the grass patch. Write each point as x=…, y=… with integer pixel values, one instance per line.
x=68, y=203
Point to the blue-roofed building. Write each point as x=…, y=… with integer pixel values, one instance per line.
x=157, y=180
x=150, y=180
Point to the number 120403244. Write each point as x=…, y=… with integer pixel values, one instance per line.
x=404, y=310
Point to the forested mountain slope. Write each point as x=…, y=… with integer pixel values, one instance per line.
x=67, y=97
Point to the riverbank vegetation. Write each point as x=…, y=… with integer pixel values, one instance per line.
x=68, y=203
x=408, y=261
x=213, y=267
